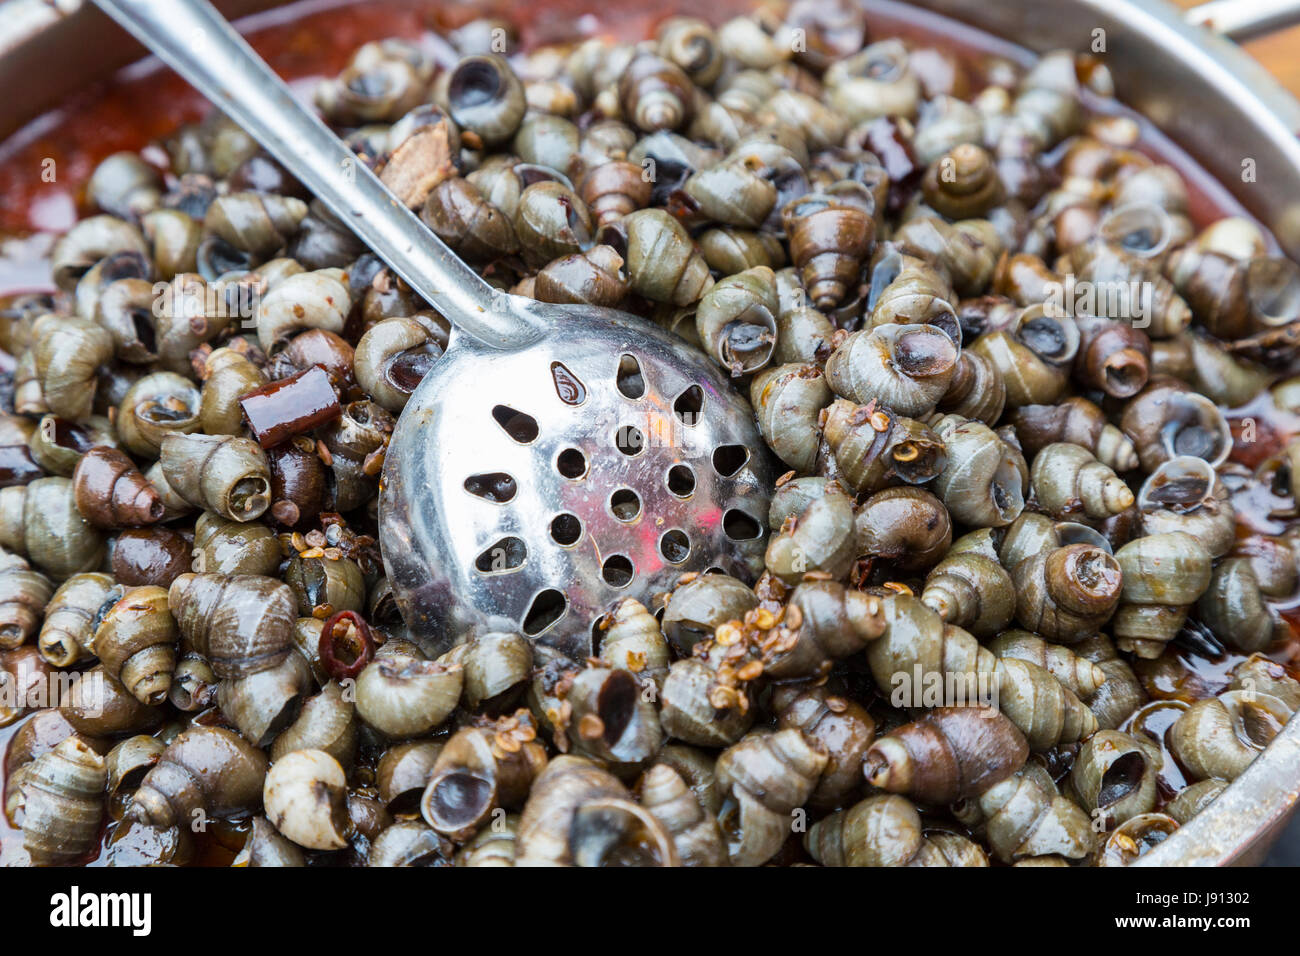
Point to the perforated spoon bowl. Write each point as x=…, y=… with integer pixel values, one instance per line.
x=555, y=458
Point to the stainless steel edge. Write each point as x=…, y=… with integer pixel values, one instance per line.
x=1243, y=19
x=1238, y=827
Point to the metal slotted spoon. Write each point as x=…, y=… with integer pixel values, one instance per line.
x=556, y=457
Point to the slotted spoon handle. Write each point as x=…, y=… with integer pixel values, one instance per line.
x=194, y=39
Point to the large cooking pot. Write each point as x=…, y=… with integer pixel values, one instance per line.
x=1203, y=92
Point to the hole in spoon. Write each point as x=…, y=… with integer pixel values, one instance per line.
x=739, y=526
x=681, y=481
x=625, y=504
x=631, y=383
x=572, y=463
x=675, y=546
x=520, y=426
x=729, y=459
x=504, y=555
x=547, y=608
x=689, y=405
x=617, y=571
x=566, y=529
x=629, y=440
x=567, y=385
x=495, y=486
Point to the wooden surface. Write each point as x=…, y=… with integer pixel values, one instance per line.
x=1279, y=52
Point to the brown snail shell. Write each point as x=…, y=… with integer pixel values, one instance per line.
x=496, y=666
x=949, y=754
x=694, y=830
x=633, y=641
x=736, y=320
x=822, y=539
x=136, y=641
x=882, y=830
x=1068, y=593
x=788, y=400
x=984, y=478
x=1076, y=674
x=242, y=624
x=1116, y=774
x=1069, y=483
x=829, y=240
x=204, y=772
x=67, y=632
x=963, y=183
x=1167, y=419
x=260, y=705
x=594, y=277
x=662, y=261
x=768, y=775
x=614, y=717
x=1077, y=421
x=62, y=803
x=24, y=594
x=698, y=606
x=403, y=696
x=567, y=784
x=874, y=448
x=905, y=367
x=1025, y=818
x=112, y=493
x=971, y=591
x=655, y=93
x=1164, y=574
x=40, y=521
x=842, y=727
x=688, y=714
x=265, y=846
x=99, y=705
x=225, y=474
x=1220, y=736
x=479, y=770
x=907, y=526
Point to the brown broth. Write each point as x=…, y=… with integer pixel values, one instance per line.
x=1153, y=723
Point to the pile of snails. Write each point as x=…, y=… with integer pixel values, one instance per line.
x=1021, y=512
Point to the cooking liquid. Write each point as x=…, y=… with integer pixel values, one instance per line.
x=307, y=41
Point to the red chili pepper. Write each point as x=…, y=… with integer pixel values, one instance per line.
x=358, y=641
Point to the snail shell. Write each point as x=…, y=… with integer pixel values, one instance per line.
x=242, y=624
x=136, y=641
x=205, y=771
x=62, y=802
